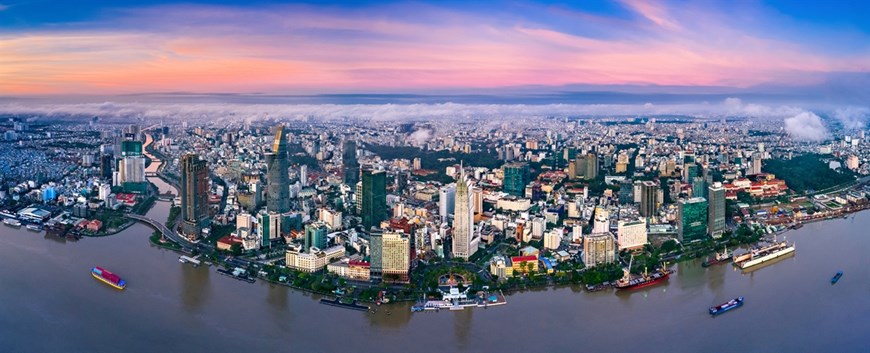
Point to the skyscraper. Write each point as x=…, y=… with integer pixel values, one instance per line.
x=194, y=196
x=464, y=244
x=395, y=256
x=648, y=198
x=516, y=177
x=446, y=201
x=276, y=169
x=350, y=163
x=374, y=197
x=716, y=210
x=315, y=236
x=692, y=219
x=303, y=175
x=591, y=166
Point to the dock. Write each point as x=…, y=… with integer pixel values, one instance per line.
x=189, y=260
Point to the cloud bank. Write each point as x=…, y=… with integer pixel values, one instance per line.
x=806, y=126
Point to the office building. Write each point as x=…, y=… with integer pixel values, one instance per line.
x=446, y=201
x=602, y=220
x=464, y=242
x=373, y=206
x=716, y=210
x=692, y=219
x=395, y=257
x=303, y=175
x=631, y=235
x=350, y=163
x=270, y=224
x=591, y=167
x=194, y=196
x=649, y=191
x=516, y=177
x=315, y=236
x=278, y=191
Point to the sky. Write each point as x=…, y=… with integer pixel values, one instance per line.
x=801, y=48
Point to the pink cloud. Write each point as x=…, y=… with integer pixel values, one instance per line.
x=312, y=50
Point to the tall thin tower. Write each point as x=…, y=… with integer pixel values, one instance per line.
x=463, y=221
x=194, y=195
x=276, y=174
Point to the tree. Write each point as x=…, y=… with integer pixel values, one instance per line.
x=236, y=249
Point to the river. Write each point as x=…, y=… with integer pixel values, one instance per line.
x=50, y=303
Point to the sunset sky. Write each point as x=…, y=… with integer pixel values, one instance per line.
x=88, y=47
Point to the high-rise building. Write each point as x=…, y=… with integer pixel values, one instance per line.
x=602, y=220
x=270, y=227
x=276, y=169
x=350, y=163
x=303, y=175
x=106, y=162
x=631, y=234
x=716, y=210
x=591, y=166
x=376, y=250
x=131, y=174
x=395, y=256
x=131, y=148
x=648, y=198
x=446, y=201
x=194, y=195
x=315, y=236
x=464, y=241
x=699, y=187
x=599, y=248
x=516, y=177
x=756, y=164
x=692, y=219
x=374, y=197
x=690, y=171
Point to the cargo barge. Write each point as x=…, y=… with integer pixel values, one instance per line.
x=108, y=278
x=731, y=304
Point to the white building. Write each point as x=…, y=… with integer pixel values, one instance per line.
x=314, y=260
x=446, y=201
x=332, y=218
x=631, y=234
x=553, y=238
x=602, y=220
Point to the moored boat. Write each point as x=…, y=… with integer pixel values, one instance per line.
x=34, y=227
x=108, y=278
x=629, y=282
x=12, y=222
x=731, y=304
x=836, y=277
x=764, y=254
x=724, y=257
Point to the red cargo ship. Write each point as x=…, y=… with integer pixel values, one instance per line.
x=644, y=280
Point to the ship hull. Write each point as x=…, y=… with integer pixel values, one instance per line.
x=715, y=262
x=721, y=309
x=649, y=283
x=766, y=258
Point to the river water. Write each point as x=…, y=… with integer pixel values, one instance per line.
x=50, y=303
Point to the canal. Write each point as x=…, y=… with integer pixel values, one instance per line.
x=49, y=302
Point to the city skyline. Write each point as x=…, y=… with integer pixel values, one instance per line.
x=428, y=48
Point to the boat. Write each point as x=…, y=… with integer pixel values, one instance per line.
x=12, y=222
x=764, y=254
x=338, y=303
x=108, y=278
x=34, y=227
x=237, y=273
x=725, y=256
x=731, y=304
x=836, y=277
x=627, y=282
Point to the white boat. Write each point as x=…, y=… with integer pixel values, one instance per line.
x=765, y=254
x=12, y=222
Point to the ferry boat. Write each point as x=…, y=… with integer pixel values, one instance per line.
x=731, y=304
x=645, y=280
x=764, y=254
x=836, y=277
x=725, y=256
x=108, y=278
x=34, y=227
x=12, y=222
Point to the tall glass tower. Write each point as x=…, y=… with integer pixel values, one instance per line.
x=276, y=174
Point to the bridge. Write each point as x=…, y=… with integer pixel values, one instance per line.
x=162, y=228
